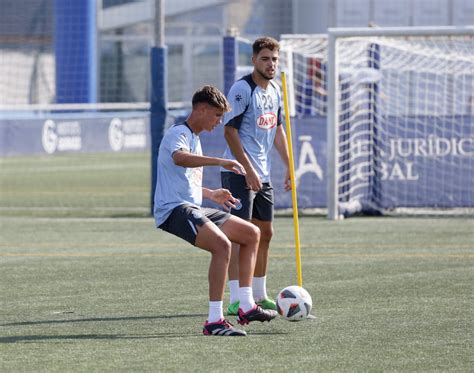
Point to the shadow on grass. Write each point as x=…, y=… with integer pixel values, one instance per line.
x=39, y=338
x=95, y=319
x=46, y=338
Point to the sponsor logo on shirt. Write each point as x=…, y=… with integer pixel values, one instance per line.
x=267, y=121
x=195, y=176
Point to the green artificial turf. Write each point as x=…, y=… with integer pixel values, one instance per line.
x=115, y=294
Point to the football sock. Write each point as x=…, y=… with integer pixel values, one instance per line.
x=246, y=299
x=215, y=311
x=259, y=287
x=234, y=291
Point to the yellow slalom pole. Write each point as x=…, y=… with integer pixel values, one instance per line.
x=293, y=182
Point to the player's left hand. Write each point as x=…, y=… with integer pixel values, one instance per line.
x=287, y=183
x=224, y=198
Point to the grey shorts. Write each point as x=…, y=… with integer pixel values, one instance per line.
x=184, y=220
x=258, y=205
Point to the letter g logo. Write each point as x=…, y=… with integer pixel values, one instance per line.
x=49, y=137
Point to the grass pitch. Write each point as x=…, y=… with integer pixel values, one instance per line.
x=88, y=284
x=115, y=294
x=101, y=184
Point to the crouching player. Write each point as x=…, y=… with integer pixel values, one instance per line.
x=177, y=210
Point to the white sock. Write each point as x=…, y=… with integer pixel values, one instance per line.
x=215, y=311
x=234, y=291
x=246, y=299
x=259, y=287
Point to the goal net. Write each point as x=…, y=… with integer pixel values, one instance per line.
x=74, y=102
x=400, y=116
x=73, y=111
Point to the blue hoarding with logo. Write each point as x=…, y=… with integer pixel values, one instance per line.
x=74, y=132
x=429, y=168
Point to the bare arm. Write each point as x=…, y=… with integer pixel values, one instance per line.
x=281, y=146
x=231, y=135
x=220, y=196
x=186, y=159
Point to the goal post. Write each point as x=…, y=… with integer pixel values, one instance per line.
x=400, y=119
x=384, y=119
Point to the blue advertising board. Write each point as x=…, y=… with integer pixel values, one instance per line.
x=74, y=132
x=410, y=166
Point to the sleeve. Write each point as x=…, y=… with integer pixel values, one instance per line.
x=180, y=139
x=239, y=99
x=279, y=119
x=280, y=109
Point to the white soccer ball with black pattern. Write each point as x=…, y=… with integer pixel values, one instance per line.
x=294, y=303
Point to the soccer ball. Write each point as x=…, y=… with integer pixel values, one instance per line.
x=294, y=303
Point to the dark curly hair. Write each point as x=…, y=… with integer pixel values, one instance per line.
x=212, y=96
x=265, y=43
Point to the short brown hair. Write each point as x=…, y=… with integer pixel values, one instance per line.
x=265, y=43
x=212, y=96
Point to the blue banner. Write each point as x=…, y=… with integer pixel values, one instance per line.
x=426, y=162
x=75, y=132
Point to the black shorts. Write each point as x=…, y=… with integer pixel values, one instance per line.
x=258, y=205
x=184, y=219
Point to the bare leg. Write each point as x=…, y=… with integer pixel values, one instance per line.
x=266, y=229
x=247, y=236
x=234, y=262
x=212, y=239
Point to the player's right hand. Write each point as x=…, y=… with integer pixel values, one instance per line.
x=234, y=166
x=253, y=181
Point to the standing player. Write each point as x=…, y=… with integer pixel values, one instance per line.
x=177, y=210
x=251, y=129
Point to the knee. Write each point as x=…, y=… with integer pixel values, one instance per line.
x=254, y=233
x=250, y=236
x=222, y=248
x=266, y=234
